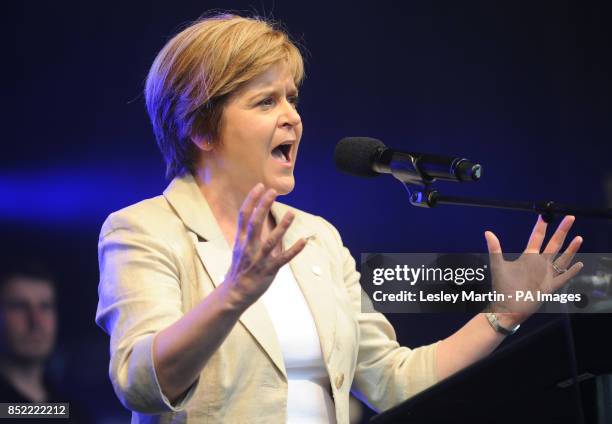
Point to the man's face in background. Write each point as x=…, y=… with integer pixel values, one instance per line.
x=28, y=320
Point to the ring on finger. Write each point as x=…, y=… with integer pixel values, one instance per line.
x=559, y=270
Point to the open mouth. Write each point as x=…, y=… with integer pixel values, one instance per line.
x=282, y=152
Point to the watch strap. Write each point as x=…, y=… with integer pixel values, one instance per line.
x=494, y=321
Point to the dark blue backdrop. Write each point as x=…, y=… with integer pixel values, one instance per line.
x=524, y=88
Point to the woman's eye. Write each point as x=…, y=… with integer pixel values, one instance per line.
x=267, y=102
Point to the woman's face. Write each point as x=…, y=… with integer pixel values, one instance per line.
x=256, y=120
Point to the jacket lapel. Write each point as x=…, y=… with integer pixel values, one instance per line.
x=185, y=197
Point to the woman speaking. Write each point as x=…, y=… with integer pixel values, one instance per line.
x=223, y=305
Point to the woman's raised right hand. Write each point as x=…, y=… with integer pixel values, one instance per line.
x=255, y=261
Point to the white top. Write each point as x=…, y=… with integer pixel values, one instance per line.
x=308, y=400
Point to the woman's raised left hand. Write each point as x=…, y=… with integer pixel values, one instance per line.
x=535, y=270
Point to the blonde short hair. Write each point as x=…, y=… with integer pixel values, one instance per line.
x=198, y=69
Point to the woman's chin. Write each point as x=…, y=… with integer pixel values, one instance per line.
x=282, y=185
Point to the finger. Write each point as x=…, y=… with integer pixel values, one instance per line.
x=290, y=253
x=560, y=280
x=534, y=245
x=247, y=208
x=258, y=217
x=495, y=251
x=566, y=257
x=277, y=234
x=556, y=241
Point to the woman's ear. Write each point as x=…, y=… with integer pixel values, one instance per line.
x=204, y=143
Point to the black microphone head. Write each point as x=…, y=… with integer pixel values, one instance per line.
x=356, y=155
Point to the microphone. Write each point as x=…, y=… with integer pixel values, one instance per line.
x=369, y=157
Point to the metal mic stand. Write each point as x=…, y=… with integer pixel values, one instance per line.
x=423, y=194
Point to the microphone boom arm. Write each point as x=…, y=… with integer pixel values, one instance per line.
x=422, y=194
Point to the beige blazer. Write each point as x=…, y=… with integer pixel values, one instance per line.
x=160, y=257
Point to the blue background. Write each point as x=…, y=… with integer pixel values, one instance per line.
x=521, y=87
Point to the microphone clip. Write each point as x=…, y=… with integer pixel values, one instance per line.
x=421, y=195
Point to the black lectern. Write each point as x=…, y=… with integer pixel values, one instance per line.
x=531, y=380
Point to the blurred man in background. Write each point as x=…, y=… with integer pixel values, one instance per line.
x=28, y=327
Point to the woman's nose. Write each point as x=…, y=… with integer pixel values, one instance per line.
x=290, y=117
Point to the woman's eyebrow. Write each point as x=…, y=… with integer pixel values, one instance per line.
x=268, y=91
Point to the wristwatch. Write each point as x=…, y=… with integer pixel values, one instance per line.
x=494, y=321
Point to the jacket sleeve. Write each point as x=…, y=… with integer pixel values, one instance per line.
x=386, y=373
x=139, y=295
